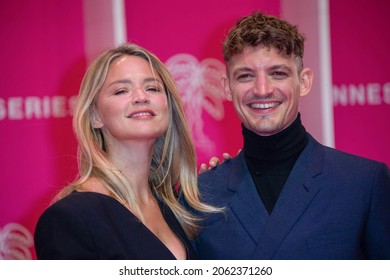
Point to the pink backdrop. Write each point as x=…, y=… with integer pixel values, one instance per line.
x=42, y=64
x=44, y=59
x=361, y=77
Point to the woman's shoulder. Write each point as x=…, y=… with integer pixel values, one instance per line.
x=78, y=210
x=75, y=204
x=81, y=199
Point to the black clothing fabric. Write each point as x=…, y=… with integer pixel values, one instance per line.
x=91, y=226
x=271, y=158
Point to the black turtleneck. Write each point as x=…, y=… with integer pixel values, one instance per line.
x=271, y=158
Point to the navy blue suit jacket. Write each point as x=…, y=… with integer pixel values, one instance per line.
x=333, y=206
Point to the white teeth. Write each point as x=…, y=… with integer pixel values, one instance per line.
x=264, y=105
x=140, y=114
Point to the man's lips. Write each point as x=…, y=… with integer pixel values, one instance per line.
x=263, y=105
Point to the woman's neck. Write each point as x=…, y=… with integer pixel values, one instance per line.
x=134, y=161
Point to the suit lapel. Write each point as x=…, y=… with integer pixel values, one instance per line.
x=297, y=194
x=245, y=203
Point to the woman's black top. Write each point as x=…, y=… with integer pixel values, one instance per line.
x=91, y=226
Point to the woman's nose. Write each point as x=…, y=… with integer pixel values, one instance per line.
x=140, y=96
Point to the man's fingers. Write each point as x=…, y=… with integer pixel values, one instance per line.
x=203, y=168
x=214, y=161
x=226, y=156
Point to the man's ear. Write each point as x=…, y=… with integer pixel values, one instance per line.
x=96, y=122
x=225, y=85
x=306, y=80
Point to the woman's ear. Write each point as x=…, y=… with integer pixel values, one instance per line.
x=96, y=122
x=306, y=80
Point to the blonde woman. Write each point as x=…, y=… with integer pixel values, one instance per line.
x=134, y=148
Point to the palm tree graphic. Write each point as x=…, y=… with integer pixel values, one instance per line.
x=200, y=89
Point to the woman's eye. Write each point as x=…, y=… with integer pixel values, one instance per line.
x=153, y=89
x=119, y=92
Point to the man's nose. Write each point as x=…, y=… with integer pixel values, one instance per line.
x=262, y=85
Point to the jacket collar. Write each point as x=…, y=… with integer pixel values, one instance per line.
x=266, y=230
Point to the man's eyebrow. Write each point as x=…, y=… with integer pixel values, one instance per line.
x=241, y=69
x=280, y=66
x=273, y=67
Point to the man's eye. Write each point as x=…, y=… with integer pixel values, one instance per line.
x=244, y=77
x=279, y=74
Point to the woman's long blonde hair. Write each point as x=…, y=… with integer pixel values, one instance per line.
x=173, y=158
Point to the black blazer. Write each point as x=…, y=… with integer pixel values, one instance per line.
x=90, y=226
